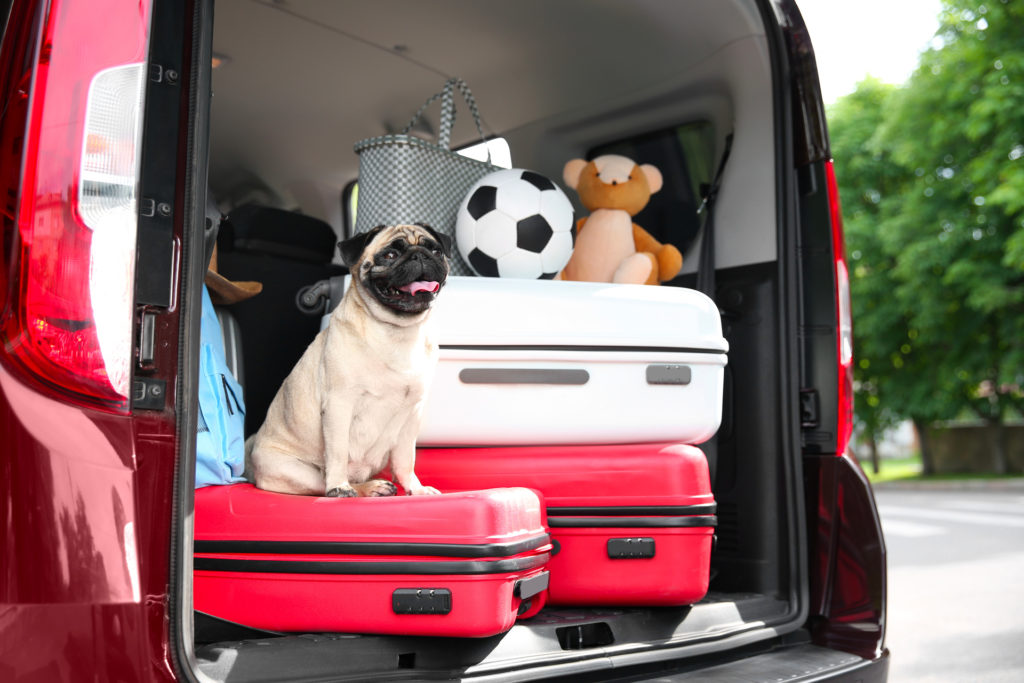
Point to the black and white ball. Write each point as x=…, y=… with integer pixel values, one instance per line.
x=516, y=223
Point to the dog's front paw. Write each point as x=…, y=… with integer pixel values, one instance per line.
x=342, y=492
x=376, y=488
x=423, y=491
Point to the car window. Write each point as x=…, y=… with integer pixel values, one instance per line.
x=685, y=156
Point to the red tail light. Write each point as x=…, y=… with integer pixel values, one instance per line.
x=844, y=333
x=67, y=320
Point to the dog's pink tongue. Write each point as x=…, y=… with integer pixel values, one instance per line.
x=420, y=286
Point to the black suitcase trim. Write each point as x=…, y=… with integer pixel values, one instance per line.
x=467, y=550
x=423, y=568
x=633, y=522
x=578, y=348
x=634, y=510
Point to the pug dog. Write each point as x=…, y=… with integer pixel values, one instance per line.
x=351, y=407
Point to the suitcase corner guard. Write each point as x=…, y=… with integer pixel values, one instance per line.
x=534, y=585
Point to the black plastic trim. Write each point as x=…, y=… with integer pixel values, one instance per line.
x=579, y=348
x=777, y=16
x=530, y=586
x=372, y=548
x=635, y=510
x=155, y=279
x=192, y=266
x=633, y=522
x=422, y=568
x=211, y=629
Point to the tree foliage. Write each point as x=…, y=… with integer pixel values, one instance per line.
x=932, y=180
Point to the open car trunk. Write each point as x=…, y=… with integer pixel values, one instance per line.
x=296, y=84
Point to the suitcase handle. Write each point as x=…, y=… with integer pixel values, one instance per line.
x=525, y=589
x=524, y=376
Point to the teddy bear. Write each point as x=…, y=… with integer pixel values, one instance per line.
x=613, y=248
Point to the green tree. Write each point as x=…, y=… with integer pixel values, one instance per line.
x=868, y=179
x=935, y=193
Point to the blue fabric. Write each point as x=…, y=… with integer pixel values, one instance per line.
x=220, y=437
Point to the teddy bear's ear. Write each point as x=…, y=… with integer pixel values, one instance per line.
x=571, y=172
x=653, y=177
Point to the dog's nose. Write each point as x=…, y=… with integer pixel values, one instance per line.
x=420, y=254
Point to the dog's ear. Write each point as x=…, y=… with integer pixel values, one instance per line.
x=352, y=248
x=445, y=240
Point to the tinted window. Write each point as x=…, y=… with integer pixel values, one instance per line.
x=685, y=157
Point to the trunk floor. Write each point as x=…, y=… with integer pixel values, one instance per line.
x=558, y=640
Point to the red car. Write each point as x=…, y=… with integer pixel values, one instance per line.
x=122, y=120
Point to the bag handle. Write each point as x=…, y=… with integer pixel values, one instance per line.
x=447, y=96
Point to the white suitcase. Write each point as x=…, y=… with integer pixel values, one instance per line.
x=534, y=362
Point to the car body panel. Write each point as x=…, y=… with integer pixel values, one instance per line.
x=95, y=508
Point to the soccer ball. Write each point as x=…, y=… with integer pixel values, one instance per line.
x=516, y=223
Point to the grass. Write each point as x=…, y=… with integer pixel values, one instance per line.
x=894, y=469
x=909, y=469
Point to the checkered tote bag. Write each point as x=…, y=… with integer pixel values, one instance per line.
x=405, y=179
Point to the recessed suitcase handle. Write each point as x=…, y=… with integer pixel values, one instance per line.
x=565, y=377
x=534, y=585
x=668, y=374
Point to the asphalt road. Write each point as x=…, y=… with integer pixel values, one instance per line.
x=956, y=584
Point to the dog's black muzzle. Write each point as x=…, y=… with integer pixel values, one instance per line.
x=408, y=281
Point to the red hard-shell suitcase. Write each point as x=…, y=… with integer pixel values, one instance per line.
x=632, y=524
x=461, y=564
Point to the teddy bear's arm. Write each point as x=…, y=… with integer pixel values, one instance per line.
x=644, y=241
x=670, y=261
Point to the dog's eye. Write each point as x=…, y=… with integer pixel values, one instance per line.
x=389, y=255
x=435, y=251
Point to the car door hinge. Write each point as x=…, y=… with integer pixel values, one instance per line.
x=151, y=208
x=161, y=74
x=147, y=340
x=809, y=413
x=149, y=393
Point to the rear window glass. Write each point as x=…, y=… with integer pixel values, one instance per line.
x=685, y=157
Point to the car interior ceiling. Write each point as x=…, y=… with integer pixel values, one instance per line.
x=308, y=81
x=552, y=96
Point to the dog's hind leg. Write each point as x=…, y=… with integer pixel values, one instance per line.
x=375, y=488
x=284, y=473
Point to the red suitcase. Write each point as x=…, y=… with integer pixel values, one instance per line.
x=632, y=525
x=462, y=564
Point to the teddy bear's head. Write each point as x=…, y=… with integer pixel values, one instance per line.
x=612, y=182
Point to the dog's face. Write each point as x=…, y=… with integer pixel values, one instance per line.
x=402, y=267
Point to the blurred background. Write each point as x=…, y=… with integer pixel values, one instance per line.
x=925, y=105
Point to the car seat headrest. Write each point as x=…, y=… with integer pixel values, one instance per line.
x=278, y=233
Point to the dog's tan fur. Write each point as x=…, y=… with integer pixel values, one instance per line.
x=351, y=407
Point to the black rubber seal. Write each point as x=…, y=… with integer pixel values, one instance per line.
x=421, y=568
x=579, y=347
x=371, y=548
x=634, y=510
x=633, y=522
